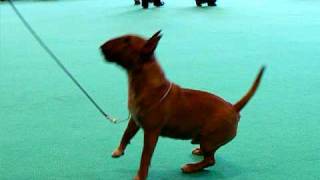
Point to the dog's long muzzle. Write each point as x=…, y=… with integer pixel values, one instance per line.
x=105, y=54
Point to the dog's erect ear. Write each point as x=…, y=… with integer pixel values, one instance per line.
x=151, y=45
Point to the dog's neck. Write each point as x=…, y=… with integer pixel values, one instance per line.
x=146, y=84
x=150, y=76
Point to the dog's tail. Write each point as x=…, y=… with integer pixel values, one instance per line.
x=245, y=99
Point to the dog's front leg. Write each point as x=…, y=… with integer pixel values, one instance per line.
x=150, y=141
x=131, y=130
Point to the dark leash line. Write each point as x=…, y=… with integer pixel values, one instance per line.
x=60, y=64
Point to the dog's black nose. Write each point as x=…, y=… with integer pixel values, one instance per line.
x=104, y=53
x=107, y=49
x=105, y=46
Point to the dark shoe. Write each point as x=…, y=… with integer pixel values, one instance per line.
x=158, y=3
x=212, y=3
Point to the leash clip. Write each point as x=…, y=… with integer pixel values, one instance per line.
x=111, y=119
x=116, y=121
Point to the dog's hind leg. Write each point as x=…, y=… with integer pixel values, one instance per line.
x=208, y=152
x=209, y=144
x=131, y=130
x=197, y=151
x=195, y=167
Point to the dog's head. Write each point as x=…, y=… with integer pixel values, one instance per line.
x=130, y=51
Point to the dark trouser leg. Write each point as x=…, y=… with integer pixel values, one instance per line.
x=199, y=3
x=145, y=4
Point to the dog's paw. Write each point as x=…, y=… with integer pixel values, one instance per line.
x=199, y=166
x=188, y=168
x=197, y=151
x=192, y=168
x=137, y=177
x=117, y=153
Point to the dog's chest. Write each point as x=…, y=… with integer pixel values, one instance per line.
x=135, y=117
x=134, y=110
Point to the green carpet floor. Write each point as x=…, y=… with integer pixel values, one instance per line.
x=49, y=130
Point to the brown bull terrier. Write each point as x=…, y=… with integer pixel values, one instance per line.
x=162, y=108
